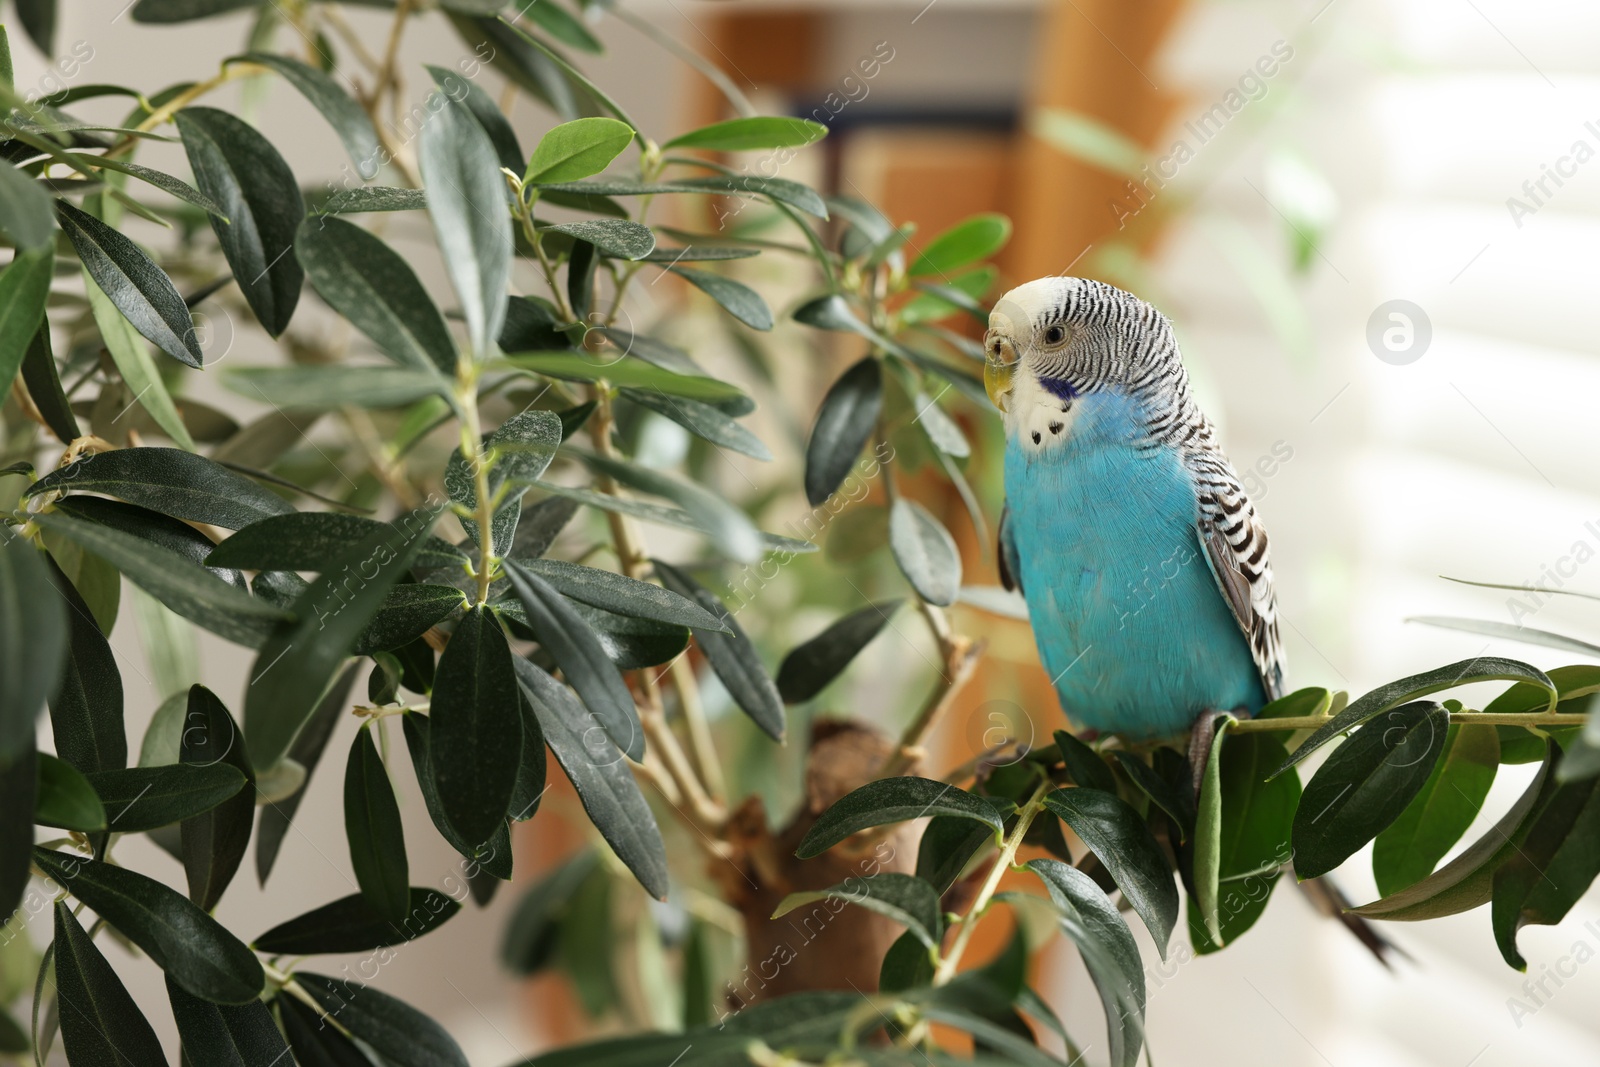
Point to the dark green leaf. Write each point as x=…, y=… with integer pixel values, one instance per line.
x=728, y=527
x=392, y=1027
x=13, y=1038
x=363, y=198
x=311, y=541
x=493, y=856
x=533, y=934
x=43, y=380
x=19, y=789
x=1206, y=866
x=226, y=1035
x=1557, y=859
x=577, y=652
x=184, y=10
x=33, y=644
x=171, y=481
x=604, y=784
x=1434, y=821
x=531, y=769
x=623, y=595
x=555, y=21
x=732, y=655
x=486, y=111
x=299, y=658
x=466, y=201
x=159, y=530
x=190, y=590
x=906, y=965
x=95, y=1005
x=86, y=708
x=635, y=373
x=968, y=241
x=845, y=422
x=702, y=420
x=950, y=842
x=138, y=288
x=239, y=169
x=346, y=116
x=1109, y=952
x=740, y=135
x=1366, y=784
x=617, y=238
x=736, y=298
x=476, y=727
x=925, y=552
x=24, y=287
x=1117, y=835
x=322, y=386
x=373, y=286
x=65, y=797
x=519, y=451
x=373, y=830
x=314, y=1041
x=1084, y=764
x=809, y=668
x=350, y=924
x=161, y=180
x=214, y=843
x=24, y=209
x=576, y=150
x=891, y=800
x=903, y=898
x=145, y=798
x=408, y=612
x=629, y=643
x=182, y=940
x=306, y=751
x=1481, y=669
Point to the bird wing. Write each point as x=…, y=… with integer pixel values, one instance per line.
x=1006, y=550
x=1235, y=544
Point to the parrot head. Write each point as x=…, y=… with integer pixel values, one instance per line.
x=1053, y=339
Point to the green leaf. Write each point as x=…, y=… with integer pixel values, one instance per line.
x=363, y=198
x=466, y=201
x=214, y=843
x=475, y=727
x=702, y=420
x=187, y=588
x=194, y=950
x=1467, y=881
x=43, y=379
x=24, y=209
x=311, y=541
x=241, y=1035
x=299, y=659
x=306, y=752
x=968, y=241
x=171, y=481
x=1117, y=835
x=1084, y=764
x=373, y=831
x=634, y=373
x=1434, y=821
x=147, y=798
x=239, y=169
x=184, y=10
x=1089, y=140
x=24, y=288
x=66, y=799
x=729, y=528
x=472, y=96
x=732, y=655
x=160, y=179
x=135, y=286
x=532, y=937
x=161, y=531
x=845, y=423
x=623, y=595
x=13, y=1038
x=19, y=790
x=617, y=238
x=313, y=1040
x=576, y=150
x=736, y=298
x=493, y=856
x=1366, y=784
x=395, y=1029
x=331, y=386
x=1510, y=632
x=408, y=612
x=86, y=708
x=903, y=898
x=961, y=294
x=33, y=645
x=925, y=552
x=351, y=924
x=950, y=842
x=555, y=21
x=629, y=643
x=373, y=286
x=94, y=1004
x=810, y=667
x=1467, y=671
x=572, y=644
x=741, y=135
x=531, y=769
x=606, y=787
x=1207, y=865
x=519, y=451
x=135, y=364
x=1109, y=952
x=346, y=116
x=1557, y=859
x=891, y=800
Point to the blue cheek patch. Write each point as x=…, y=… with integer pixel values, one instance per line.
x=1059, y=388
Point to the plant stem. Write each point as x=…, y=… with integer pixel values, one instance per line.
x=473, y=453
x=1002, y=864
x=1478, y=718
x=694, y=714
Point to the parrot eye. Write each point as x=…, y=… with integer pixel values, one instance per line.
x=1055, y=335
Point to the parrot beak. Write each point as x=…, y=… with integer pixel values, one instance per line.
x=999, y=368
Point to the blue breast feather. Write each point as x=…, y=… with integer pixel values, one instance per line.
x=1126, y=612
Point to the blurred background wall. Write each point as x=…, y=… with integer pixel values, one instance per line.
x=1365, y=151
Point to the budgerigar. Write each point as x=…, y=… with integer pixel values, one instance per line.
x=1143, y=563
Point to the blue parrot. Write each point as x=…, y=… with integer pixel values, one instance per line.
x=1144, y=566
